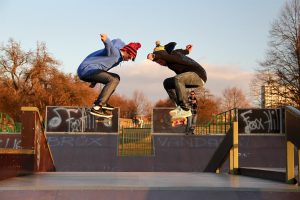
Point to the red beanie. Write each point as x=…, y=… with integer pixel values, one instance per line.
x=132, y=48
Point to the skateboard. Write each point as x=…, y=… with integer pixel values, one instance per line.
x=106, y=120
x=175, y=122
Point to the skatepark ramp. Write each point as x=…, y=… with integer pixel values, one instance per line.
x=230, y=144
x=143, y=186
x=89, y=164
x=34, y=154
x=227, y=146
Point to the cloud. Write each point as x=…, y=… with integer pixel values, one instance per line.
x=148, y=77
x=145, y=76
x=223, y=76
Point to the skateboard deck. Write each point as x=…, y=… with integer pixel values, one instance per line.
x=175, y=122
x=104, y=119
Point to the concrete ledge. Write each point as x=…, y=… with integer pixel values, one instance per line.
x=16, y=151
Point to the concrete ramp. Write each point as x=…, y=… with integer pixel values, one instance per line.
x=143, y=186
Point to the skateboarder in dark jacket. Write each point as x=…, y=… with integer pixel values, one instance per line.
x=189, y=74
x=94, y=69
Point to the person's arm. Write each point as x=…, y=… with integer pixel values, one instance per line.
x=107, y=43
x=170, y=58
x=189, y=48
x=150, y=56
x=195, y=103
x=186, y=51
x=103, y=37
x=117, y=44
x=180, y=51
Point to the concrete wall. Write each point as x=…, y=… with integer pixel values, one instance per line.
x=173, y=152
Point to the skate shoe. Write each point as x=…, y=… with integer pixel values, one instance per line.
x=99, y=112
x=175, y=111
x=92, y=85
x=107, y=107
x=182, y=114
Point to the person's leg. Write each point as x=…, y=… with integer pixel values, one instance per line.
x=110, y=81
x=189, y=124
x=169, y=85
x=193, y=123
x=181, y=82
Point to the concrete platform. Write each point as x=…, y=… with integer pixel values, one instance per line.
x=143, y=185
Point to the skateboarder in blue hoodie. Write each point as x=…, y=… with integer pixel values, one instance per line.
x=94, y=69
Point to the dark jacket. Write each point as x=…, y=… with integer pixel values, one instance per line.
x=180, y=63
x=194, y=106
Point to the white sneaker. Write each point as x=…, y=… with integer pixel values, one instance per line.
x=175, y=111
x=182, y=114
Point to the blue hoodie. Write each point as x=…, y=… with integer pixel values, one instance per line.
x=103, y=59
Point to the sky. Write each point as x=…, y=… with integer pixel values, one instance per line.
x=229, y=37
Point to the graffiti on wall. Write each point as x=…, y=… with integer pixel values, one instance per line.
x=259, y=120
x=76, y=120
x=9, y=141
x=162, y=122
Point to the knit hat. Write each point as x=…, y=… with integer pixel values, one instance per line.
x=168, y=47
x=158, y=47
x=132, y=48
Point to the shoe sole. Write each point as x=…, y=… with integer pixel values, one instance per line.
x=180, y=117
x=107, y=108
x=101, y=115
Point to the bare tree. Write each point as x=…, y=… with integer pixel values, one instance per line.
x=164, y=103
x=282, y=62
x=13, y=64
x=208, y=105
x=234, y=97
x=143, y=105
x=33, y=79
x=127, y=106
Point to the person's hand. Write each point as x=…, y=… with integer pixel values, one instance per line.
x=103, y=37
x=189, y=47
x=150, y=56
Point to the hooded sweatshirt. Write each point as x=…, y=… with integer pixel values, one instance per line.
x=103, y=59
x=178, y=62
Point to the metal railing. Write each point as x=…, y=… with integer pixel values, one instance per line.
x=136, y=142
x=132, y=124
x=220, y=123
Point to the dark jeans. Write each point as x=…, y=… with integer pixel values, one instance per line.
x=176, y=87
x=110, y=81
